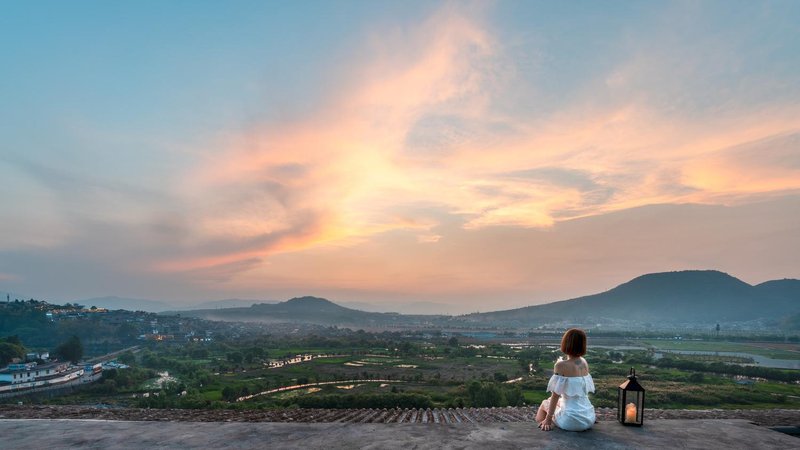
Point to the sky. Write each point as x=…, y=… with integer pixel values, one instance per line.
x=486, y=155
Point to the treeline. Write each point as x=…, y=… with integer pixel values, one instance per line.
x=699, y=396
x=341, y=340
x=710, y=335
x=11, y=347
x=730, y=369
x=28, y=320
x=21, y=318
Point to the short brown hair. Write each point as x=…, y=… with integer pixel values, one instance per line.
x=574, y=342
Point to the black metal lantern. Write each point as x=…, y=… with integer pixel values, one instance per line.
x=630, y=403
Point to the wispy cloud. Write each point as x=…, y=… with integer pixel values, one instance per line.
x=8, y=277
x=415, y=124
x=346, y=168
x=434, y=155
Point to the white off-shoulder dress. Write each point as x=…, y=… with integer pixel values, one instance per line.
x=574, y=411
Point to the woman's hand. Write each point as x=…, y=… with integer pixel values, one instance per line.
x=546, y=424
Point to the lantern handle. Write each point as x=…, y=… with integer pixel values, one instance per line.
x=632, y=372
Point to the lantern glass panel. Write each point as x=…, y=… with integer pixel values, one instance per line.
x=632, y=408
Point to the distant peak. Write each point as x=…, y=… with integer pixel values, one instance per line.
x=308, y=300
x=782, y=283
x=686, y=274
x=708, y=272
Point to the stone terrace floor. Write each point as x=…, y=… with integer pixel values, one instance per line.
x=32, y=426
x=656, y=434
x=764, y=417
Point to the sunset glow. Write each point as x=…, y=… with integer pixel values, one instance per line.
x=482, y=154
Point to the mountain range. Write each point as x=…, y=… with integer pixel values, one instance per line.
x=686, y=296
x=706, y=296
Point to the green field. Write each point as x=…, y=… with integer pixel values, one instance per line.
x=432, y=372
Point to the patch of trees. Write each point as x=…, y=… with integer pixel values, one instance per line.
x=487, y=394
x=71, y=350
x=21, y=318
x=710, y=335
x=235, y=357
x=698, y=396
x=127, y=358
x=730, y=369
x=10, y=347
x=153, y=360
x=533, y=356
x=231, y=393
x=28, y=320
x=115, y=381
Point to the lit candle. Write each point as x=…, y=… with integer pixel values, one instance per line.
x=630, y=413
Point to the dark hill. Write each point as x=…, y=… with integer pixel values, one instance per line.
x=306, y=305
x=686, y=296
x=307, y=310
x=706, y=296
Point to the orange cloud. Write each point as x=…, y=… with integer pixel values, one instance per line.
x=341, y=164
x=414, y=130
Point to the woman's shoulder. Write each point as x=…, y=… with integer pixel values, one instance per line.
x=559, y=367
x=571, y=367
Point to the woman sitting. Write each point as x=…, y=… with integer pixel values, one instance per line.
x=569, y=407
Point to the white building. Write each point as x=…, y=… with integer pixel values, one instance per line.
x=25, y=372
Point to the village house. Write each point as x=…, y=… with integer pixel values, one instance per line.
x=26, y=372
